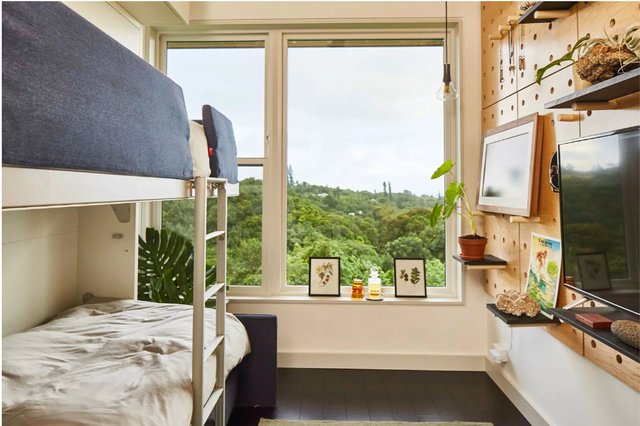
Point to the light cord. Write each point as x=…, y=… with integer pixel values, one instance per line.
x=446, y=30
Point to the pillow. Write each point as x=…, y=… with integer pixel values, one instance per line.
x=223, y=155
x=199, y=150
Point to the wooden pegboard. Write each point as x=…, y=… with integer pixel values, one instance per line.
x=512, y=99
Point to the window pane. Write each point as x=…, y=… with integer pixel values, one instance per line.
x=244, y=224
x=230, y=79
x=365, y=133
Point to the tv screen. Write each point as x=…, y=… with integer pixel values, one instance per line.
x=600, y=203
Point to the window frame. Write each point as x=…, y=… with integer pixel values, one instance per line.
x=274, y=218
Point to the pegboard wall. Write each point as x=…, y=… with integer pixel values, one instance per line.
x=516, y=95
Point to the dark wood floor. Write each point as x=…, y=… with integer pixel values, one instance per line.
x=379, y=395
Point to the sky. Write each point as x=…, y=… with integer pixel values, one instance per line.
x=356, y=116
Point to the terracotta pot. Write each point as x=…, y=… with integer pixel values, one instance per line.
x=472, y=248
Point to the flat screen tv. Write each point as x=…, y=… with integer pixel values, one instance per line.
x=599, y=205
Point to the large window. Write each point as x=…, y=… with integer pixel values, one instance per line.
x=364, y=134
x=338, y=135
x=230, y=76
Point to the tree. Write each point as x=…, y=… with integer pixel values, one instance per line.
x=290, y=181
x=390, y=193
x=384, y=187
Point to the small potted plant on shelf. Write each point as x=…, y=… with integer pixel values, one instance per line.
x=472, y=245
x=599, y=59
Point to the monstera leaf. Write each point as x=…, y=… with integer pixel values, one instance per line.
x=165, y=268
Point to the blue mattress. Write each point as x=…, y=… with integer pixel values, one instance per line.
x=74, y=98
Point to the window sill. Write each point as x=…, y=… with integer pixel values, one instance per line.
x=388, y=300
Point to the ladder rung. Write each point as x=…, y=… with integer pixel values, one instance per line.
x=208, y=350
x=213, y=235
x=213, y=290
x=211, y=403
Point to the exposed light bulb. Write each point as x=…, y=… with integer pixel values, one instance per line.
x=447, y=91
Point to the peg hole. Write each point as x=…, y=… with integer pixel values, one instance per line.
x=568, y=48
x=593, y=304
x=525, y=275
x=492, y=21
x=521, y=46
x=504, y=240
x=494, y=237
x=573, y=296
x=492, y=92
x=484, y=97
x=588, y=34
x=535, y=36
x=570, y=82
x=484, y=120
x=554, y=221
x=486, y=281
x=514, y=243
x=535, y=67
x=612, y=23
x=593, y=344
x=550, y=25
x=511, y=107
x=514, y=270
x=523, y=102
x=574, y=332
x=495, y=286
x=512, y=81
x=525, y=246
x=491, y=115
x=491, y=44
x=536, y=96
x=522, y=74
x=492, y=68
x=588, y=113
x=551, y=90
x=500, y=11
x=550, y=58
x=501, y=112
x=501, y=86
x=619, y=359
x=553, y=122
x=483, y=7
x=483, y=30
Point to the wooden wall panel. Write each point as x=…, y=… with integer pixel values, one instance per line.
x=502, y=241
x=615, y=363
x=543, y=42
x=512, y=241
x=500, y=113
x=494, y=14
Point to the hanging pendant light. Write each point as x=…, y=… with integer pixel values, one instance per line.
x=448, y=91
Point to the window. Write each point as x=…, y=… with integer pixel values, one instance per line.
x=230, y=76
x=338, y=135
x=364, y=134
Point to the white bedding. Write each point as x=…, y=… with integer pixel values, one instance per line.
x=125, y=363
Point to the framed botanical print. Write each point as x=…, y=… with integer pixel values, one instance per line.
x=324, y=276
x=510, y=167
x=409, y=277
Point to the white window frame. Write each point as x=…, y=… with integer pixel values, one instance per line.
x=274, y=217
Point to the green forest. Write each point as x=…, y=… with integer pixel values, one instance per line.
x=364, y=229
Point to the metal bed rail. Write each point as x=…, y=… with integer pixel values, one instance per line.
x=202, y=349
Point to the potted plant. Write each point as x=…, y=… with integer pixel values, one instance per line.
x=472, y=245
x=602, y=58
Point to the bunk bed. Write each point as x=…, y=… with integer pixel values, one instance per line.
x=87, y=122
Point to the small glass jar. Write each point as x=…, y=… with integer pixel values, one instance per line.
x=374, y=284
x=356, y=290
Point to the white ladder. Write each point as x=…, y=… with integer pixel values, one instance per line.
x=203, y=404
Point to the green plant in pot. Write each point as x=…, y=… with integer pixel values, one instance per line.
x=472, y=245
x=165, y=268
x=602, y=58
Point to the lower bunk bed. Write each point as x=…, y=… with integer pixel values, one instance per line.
x=128, y=363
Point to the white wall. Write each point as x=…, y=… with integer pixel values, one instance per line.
x=39, y=257
x=372, y=335
x=562, y=386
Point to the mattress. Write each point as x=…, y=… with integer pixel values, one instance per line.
x=120, y=363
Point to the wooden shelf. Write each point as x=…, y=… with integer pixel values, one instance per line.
x=603, y=335
x=614, y=88
x=489, y=262
x=544, y=6
x=522, y=321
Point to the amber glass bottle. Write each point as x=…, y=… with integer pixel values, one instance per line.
x=356, y=290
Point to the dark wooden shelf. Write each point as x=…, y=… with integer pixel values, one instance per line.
x=489, y=262
x=602, y=335
x=528, y=18
x=614, y=88
x=522, y=321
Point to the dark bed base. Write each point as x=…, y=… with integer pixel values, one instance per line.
x=254, y=381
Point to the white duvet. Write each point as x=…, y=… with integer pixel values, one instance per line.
x=125, y=363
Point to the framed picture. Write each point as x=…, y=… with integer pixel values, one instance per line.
x=543, y=278
x=510, y=167
x=409, y=278
x=324, y=276
x=594, y=271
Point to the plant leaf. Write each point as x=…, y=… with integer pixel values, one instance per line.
x=435, y=214
x=444, y=168
x=566, y=57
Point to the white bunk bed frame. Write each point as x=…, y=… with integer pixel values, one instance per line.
x=27, y=188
